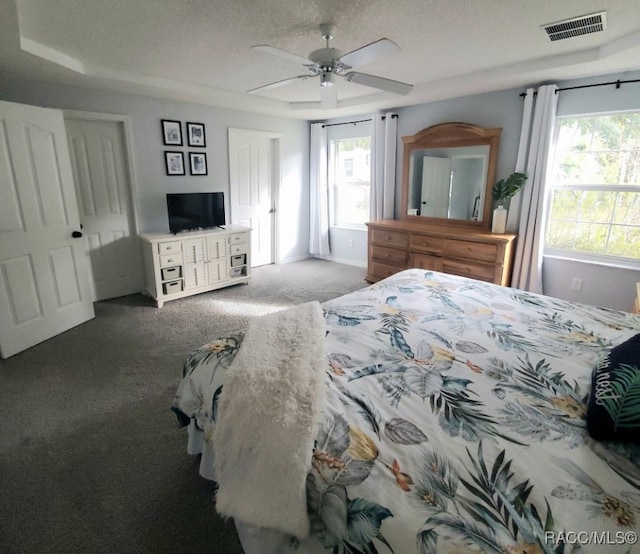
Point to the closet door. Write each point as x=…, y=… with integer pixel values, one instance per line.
x=99, y=162
x=436, y=187
x=44, y=269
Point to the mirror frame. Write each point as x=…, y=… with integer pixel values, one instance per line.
x=451, y=135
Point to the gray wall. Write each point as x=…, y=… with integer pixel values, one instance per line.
x=608, y=286
x=151, y=181
x=611, y=287
x=497, y=109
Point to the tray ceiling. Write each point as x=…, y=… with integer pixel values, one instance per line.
x=200, y=50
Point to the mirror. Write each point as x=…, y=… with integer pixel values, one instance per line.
x=448, y=173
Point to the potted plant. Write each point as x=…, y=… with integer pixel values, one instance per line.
x=504, y=190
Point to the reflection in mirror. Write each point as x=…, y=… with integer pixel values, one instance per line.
x=448, y=182
x=448, y=174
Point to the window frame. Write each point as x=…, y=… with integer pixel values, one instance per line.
x=577, y=255
x=345, y=132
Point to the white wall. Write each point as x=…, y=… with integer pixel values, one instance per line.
x=152, y=183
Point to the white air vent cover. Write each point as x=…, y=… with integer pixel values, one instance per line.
x=583, y=25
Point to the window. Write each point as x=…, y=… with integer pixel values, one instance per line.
x=349, y=177
x=595, y=188
x=348, y=167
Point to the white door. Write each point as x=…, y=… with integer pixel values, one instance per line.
x=45, y=274
x=254, y=171
x=99, y=162
x=436, y=185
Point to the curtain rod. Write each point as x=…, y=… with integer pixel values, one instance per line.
x=617, y=83
x=356, y=122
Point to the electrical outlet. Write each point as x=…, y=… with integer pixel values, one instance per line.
x=576, y=284
x=351, y=243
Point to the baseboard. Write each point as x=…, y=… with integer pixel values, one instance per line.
x=292, y=260
x=344, y=261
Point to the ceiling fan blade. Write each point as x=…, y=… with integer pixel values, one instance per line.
x=329, y=97
x=282, y=53
x=370, y=52
x=388, y=85
x=279, y=83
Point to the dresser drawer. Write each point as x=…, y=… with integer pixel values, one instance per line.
x=169, y=260
x=426, y=243
x=424, y=261
x=481, y=272
x=389, y=255
x=474, y=250
x=391, y=238
x=238, y=248
x=169, y=247
x=238, y=238
x=381, y=271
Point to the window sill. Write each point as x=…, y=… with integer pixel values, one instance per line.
x=594, y=260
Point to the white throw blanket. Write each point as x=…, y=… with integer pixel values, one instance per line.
x=268, y=415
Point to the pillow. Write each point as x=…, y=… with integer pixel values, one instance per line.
x=613, y=411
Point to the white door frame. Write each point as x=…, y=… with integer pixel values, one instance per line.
x=275, y=181
x=130, y=166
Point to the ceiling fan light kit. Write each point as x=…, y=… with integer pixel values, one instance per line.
x=326, y=80
x=327, y=62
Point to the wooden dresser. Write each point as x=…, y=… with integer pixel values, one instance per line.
x=395, y=245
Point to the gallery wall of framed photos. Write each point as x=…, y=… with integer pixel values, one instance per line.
x=172, y=135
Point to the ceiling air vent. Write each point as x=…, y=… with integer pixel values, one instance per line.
x=583, y=25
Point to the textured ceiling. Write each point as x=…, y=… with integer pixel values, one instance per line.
x=200, y=50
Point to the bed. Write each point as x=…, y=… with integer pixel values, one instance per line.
x=451, y=417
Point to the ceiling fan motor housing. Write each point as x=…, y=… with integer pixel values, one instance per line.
x=327, y=59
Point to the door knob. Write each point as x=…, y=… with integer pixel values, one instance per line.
x=76, y=234
x=272, y=211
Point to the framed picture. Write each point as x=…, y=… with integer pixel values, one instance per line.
x=171, y=132
x=195, y=134
x=198, y=163
x=174, y=162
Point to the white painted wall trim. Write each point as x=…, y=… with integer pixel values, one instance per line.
x=344, y=261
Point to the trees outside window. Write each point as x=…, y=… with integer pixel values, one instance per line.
x=595, y=188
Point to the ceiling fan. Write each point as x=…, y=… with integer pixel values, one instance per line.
x=328, y=62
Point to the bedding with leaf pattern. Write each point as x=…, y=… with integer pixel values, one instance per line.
x=456, y=422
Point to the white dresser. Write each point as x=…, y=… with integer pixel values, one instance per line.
x=188, y=263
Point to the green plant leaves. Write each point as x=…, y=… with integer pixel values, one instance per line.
x=506, y=188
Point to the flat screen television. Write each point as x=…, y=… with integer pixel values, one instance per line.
x=195, y=210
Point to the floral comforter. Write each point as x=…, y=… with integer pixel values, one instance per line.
x=455, y=422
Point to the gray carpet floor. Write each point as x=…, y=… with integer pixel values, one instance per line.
x=91, y=459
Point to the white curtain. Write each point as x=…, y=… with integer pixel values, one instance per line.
x=319, y=192
x=384, y=136
x=534, y=157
